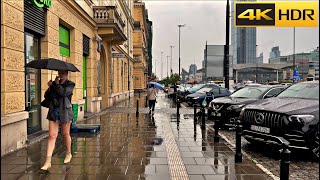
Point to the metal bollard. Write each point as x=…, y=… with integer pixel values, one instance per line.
x=146, y=105
x=284, y=162
x=203, y=116
x=137, y=111
x=238, y=155
x=178, y=110
x=216, y=130
x=195, y=116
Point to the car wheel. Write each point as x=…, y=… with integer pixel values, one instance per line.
x=315, y=144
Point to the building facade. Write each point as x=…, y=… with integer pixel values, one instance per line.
x=141, y=46
x=243, y=42
x=307, y=63
x=214, y=63
x=96, y=36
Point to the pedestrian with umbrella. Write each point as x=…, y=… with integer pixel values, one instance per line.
x=152, y=98
x=58, y=100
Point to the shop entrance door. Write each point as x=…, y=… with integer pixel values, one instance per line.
x=32, y=84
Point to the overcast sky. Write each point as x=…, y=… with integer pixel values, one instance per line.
x=205, y=21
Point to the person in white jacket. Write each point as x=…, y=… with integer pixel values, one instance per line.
x=152, y=98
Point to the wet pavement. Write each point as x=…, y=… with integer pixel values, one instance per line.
x=134, y=148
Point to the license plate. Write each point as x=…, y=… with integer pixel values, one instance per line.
x=260, y=129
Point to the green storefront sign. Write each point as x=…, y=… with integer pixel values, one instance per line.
x=43, y=3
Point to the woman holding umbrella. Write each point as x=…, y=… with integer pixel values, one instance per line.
x=58, y=100
x=60, y=113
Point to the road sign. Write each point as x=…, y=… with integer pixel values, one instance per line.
x=295, y=73
x=118, y=55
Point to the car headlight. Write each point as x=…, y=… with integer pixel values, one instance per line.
x=242, y=112
x=301, y=118
x=237, y=106
x=196, y=98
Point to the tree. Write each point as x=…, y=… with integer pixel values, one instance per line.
x=174, y=78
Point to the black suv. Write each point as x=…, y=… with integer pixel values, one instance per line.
x=227, y=109
x=292, y=115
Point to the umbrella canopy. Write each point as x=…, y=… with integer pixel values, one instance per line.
x=52, y=64
x=157, y=85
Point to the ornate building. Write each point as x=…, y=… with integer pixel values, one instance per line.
x=142, y=46
x=96, y=36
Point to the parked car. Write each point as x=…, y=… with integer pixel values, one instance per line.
x=292, y=115
x=209, y=93
x=227, y=109
x=180, y=89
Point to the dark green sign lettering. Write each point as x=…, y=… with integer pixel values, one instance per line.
x=43, y=3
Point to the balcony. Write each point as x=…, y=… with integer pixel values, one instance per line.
x=110, y=25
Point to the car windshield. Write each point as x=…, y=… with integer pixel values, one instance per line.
x=249, y=92
x=203, y=90
x=302, y=90
x=196, y=87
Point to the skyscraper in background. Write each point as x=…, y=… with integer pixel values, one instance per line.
x=193, y=69
x=274, y=52
x=260, y=58
x=243, y=42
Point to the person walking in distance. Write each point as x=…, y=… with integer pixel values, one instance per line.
x=152, y=98
x=60, y=113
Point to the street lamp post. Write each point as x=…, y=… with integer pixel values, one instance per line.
x=294, y=51
x=161, y=66
x=171, y=71
x=226, y=49
x=180, y=25
x=256, y=64
x=168, y=66
x=155, y=68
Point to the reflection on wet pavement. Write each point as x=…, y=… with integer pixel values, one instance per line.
x=134, y=148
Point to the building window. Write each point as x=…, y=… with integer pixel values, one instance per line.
x=64, y=43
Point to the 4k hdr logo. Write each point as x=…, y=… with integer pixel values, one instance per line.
x=279, y=14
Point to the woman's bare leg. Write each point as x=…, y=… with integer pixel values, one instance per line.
x=67, y=140
x=53, y=134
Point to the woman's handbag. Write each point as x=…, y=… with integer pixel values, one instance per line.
x=47, y=99
x=45, y=103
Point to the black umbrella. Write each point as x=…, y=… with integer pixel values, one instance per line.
x=52, y=64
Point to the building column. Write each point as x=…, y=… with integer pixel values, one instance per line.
x=93, y=101
x=13, y=116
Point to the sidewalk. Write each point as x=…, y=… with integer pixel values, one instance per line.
x=134, y=148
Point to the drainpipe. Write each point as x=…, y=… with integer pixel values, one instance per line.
x=128, y=40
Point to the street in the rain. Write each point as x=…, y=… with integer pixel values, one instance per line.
x=142, y=89
x=146, y=147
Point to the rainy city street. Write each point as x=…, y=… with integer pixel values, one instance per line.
x=135, y=148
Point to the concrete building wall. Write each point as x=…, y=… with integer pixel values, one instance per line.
x=13, y=116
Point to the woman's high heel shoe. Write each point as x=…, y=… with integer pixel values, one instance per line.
x=68, y=157
x=47, y=164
